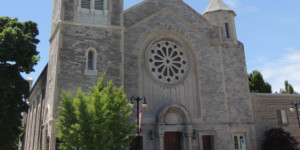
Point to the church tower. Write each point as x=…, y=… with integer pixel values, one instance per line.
x=222, y=16
x=235, y=73
x=86, y=41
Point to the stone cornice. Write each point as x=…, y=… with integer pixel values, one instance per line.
x=276, y=96
x=71, y=23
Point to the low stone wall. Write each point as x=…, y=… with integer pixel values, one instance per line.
x=265, y=109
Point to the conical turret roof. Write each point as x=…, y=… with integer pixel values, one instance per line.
x=215, y=5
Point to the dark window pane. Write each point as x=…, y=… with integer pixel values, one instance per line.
x=85, y=4
x=227, y=30
x=99, y=4
x=91, y=61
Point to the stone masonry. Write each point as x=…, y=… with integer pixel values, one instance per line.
x=189, y=66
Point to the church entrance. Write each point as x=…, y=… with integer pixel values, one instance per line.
x=172, y=141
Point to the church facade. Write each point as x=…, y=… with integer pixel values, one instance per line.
x=190, y=67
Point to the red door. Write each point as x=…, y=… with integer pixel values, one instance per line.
x=172, y=141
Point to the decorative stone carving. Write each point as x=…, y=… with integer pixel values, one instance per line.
x=167, y=62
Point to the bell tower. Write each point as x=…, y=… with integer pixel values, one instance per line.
x=222, y=16
x=86, y=41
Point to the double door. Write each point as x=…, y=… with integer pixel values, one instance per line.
x=172, y=141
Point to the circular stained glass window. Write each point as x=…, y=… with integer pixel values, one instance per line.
x=167, y=62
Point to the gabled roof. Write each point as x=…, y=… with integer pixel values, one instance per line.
x=215, y=5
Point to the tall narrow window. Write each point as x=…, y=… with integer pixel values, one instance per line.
x=227, y=30
x=91, y=64
x=85, y=4
x=282, y=117
x=239, y=142
x=99, y=4
x=91, y=60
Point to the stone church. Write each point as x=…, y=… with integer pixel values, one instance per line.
x=190, y=67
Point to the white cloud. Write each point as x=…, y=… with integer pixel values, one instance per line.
x=285, y=68
x=262, y=59
x=232, y=3
x=238, y=6
x=251, y=9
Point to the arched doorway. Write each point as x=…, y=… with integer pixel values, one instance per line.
x=173, y=127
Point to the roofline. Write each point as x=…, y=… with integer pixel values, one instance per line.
x=39, y=78
x=220, y=10
x=254, y=95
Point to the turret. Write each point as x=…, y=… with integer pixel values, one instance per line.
x=222, y=16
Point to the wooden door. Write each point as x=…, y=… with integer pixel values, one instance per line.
x=172, y=141
x=137, y=143
x=207, y=142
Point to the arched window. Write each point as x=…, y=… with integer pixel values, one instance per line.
x=90, y=60
x=91, y=56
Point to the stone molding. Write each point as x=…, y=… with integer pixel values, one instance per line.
x=70, y=23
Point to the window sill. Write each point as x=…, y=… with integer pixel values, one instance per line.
x=91, y=72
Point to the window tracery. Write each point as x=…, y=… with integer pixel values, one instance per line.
x=167, y=62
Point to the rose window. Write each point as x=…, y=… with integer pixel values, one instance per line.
x=167, y=62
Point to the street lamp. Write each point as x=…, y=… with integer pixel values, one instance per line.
x=144, y=105
x=293, y=107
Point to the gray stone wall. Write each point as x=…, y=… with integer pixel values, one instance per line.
x=56, y=14
x=72, y=59
x=141, y=11
x=69, y=7
x=265, y=116
x=236, y=82
x=219, y=77
x=33, y=119
x=70, y=41
x=166, y=24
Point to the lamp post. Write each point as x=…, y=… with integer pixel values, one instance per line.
x=144, y=105
x=293, y=107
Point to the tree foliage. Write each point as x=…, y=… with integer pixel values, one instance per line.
x=257, y=83
x=288, y=88
x=98, y=120
x=278, y=139
x=17, y=54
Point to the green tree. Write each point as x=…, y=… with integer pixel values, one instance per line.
x=278, y=139
x=17, y=54
x=97, y=120
x=257, y=83
x=288, y=88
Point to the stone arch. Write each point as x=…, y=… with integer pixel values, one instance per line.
x=174, y=117
x=173, y=107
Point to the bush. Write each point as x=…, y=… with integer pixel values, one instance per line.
x=278, y=139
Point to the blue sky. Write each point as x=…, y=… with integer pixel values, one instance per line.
x=269, y=30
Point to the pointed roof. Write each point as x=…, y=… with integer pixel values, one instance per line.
x=215, y=5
